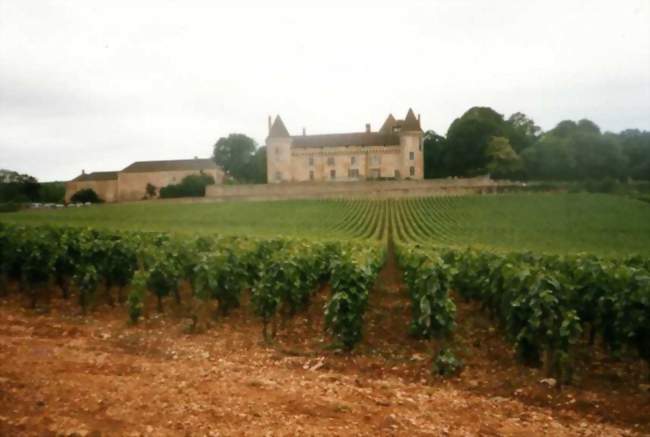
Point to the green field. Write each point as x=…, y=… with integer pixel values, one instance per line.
x=554, y=223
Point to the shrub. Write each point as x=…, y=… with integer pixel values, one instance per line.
x=86, y=195
x=447, y=363
x=9, y=207
x=191, y=186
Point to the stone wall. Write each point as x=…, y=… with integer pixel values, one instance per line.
x=360, y=189
x=106, y=189
x=132, y=186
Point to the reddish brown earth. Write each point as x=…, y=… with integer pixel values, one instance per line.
x=66, y=374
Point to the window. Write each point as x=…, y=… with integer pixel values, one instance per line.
x=375, y=159
x=420, y=145
x=412, y=156
x=353, y=173
x=397, y=175
x=353, y=160
x=330, y=160
x=374, y=174
x=332, y=174
x=278, y=176
x=412, y=171
x=311, y=160
x=311, y=175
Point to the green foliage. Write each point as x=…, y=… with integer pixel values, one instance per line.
x=135, y=300
x=237, y=155
x=434, y=149
x=51, y=192
x=191, y=186
x=18, y=188
x=468, y=138
x=85, y=195
x=353, y=272
x=446, y=363
x=428, y=279
x=545, y=303
x=503, y=161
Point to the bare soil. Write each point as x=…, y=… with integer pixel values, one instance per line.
x=62, y=373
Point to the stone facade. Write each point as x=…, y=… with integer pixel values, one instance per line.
x=393, y=152
x=130, y=183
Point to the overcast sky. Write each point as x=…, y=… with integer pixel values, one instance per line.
x=96, y=85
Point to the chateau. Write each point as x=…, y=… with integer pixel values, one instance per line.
x=395, y=152
x=131, y=182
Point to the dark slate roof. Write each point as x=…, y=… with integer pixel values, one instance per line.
x=176, y=164
x=350, y=139
x=278, y=130
x=97, y=176
x=411, y=123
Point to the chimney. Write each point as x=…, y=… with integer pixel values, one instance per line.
x=83, y=171
x=304, y=131
x=269, y=124
x=367, y=127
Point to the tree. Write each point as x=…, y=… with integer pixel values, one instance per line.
x=522, y=131
x=16, y=187
x=435, y=153
x=255, y=169
x=234, y=153
x=468, y=138
x=85, y=195
x=549, y=158
x=635, y=145
x=150, y=190
x=191, y=186
x=503, y=161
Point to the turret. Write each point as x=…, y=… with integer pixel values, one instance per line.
x=410, y=139
x=278, y=153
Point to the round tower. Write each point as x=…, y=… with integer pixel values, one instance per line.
x=410, y=139
x=278, y=153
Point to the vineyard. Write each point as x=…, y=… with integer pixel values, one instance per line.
x=552, y=297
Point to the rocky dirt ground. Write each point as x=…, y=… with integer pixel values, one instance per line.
x=66, y=374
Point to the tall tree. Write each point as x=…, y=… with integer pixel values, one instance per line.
x=233, y=154
x=522, y=131
x=635, y=145
x=435, y=155
x=503, y=161
x=468, y=138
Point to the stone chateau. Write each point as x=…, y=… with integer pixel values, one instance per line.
x=131, y=182
x=394, y=151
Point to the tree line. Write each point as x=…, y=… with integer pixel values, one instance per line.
x=482, y=141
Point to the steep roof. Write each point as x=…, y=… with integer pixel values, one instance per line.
x=411, y=123
x=349, y=139
x=97, y=176
x=387, y=127
x=278, y=129
x=176, y=164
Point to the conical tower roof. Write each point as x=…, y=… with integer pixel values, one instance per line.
x=387, y=127
x=278, y=129
x=411, y=123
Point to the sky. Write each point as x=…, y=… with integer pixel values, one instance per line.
x=97, y=85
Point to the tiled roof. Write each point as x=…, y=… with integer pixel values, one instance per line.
x=176, y=164
x=350, y=139
x=97, y=176
x=278, y=130
x=411, y=123
x=387, y=127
